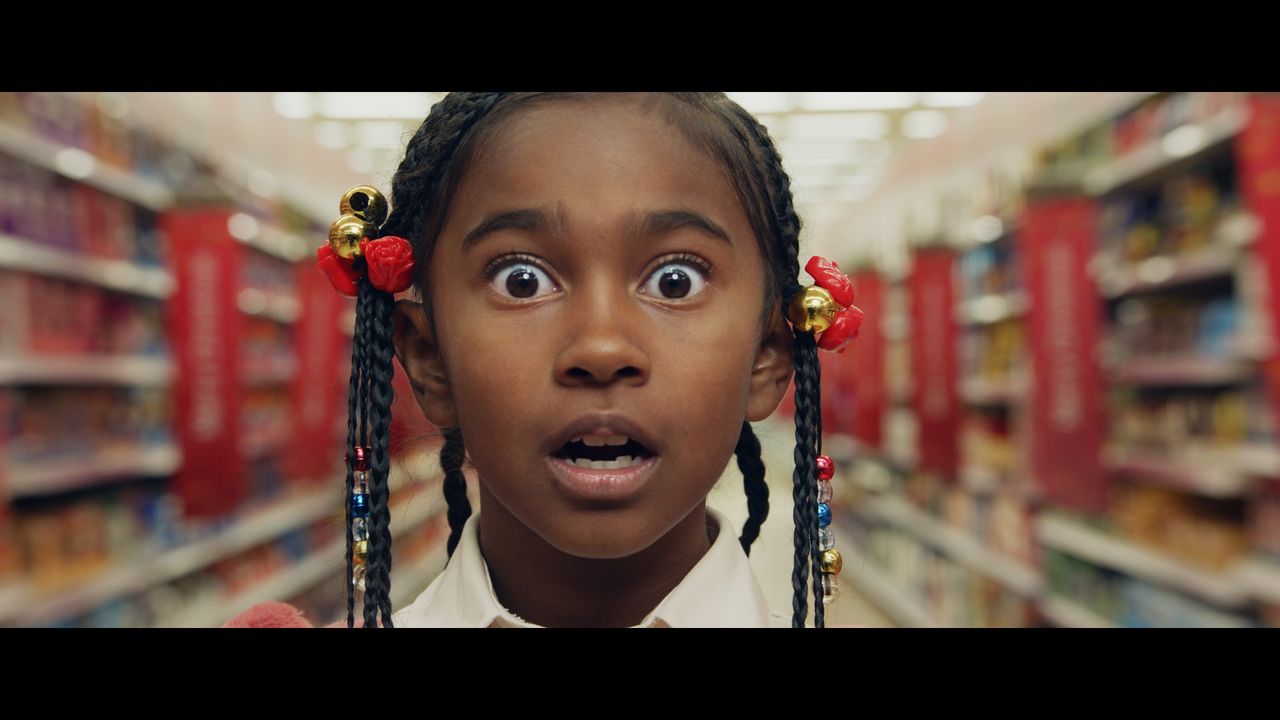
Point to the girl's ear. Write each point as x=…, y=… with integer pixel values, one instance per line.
x=772, y=369
x=419, y=355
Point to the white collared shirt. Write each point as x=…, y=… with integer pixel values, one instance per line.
x=720, y=591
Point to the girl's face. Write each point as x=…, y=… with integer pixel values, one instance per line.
x=593, y=260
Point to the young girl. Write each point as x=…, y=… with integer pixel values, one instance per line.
x=609, y=295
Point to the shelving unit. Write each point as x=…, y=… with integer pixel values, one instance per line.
x=1065, y=613
x=83, y=167
x=1172, y=153
x=964, y=550
x=118, y=275
x=871, y=582
x=58, y=476
x=1224, y=589
x=136, y=371
x=29, y=607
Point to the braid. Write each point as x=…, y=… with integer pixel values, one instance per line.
x=752, y=467
x=380, y=370
x=353, y=438
x=452, y=456
x=370, y=394
x=786, y=224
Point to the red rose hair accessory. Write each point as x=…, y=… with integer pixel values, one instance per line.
x=356, y=251
x=827, y=306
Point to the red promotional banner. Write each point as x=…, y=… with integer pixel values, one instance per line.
x=868, y=356
x=1063, y=326
x=319, y=389
x=205, y=328
x=1258, y=159
x=933, y=359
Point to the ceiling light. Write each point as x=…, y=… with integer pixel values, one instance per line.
x=924, y=124
x=839, y=126
x=805, y=152
x=360, y=105
x=858, y=101
x=295, y=105
x=763, y=102
x=333, y=135
x=953, y=99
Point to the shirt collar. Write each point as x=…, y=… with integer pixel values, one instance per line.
x=719, y=591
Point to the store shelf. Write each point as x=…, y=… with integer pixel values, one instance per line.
x=118, y=275
x=137, y=371
x=990, y=309
x=1105, y=550
x=83, y=167
x=248, y=532
x=52, y=477
x=1067, y=614
x=966, y=551
x=1159, y=273
x=1187, y=370
x=275, y=373
x=320, y=566
x=277, y=306
x=876, y=587
x=1155, y=160
x=1262, y=578
x=262, y=444
x=984, y=391
x=1214, y=474
x=280, y=244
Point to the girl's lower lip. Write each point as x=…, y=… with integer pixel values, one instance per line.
x=610, y=484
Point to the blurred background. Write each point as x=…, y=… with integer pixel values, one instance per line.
x=1060, y=412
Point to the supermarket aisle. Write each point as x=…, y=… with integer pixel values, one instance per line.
x=771, y=554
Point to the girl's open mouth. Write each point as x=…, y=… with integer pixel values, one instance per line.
x=602, y=467
x=603, y=452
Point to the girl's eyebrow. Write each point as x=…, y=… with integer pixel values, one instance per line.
x=660, y=222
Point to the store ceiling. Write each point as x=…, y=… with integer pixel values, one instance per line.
x=311, y=146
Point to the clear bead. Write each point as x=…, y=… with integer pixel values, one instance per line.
x=824, y=491
x=830, y=588
x=358, y=575
x=826, y=539
x=360, y=529
x=361, y=479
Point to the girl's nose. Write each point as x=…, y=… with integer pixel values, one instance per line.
x=604, y=345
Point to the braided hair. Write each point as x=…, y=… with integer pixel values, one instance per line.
x=435, y=158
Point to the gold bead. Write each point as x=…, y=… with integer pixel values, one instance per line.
x=365, y=203
x=832, y=562
x=812, y=310
x=360, y=547
x=346, y=233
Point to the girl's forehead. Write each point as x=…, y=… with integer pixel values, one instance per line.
x=607, y=146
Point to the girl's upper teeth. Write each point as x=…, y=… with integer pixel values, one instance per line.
x=598, y=440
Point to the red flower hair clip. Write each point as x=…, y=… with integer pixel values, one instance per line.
x=388, y=260
x=827, y=306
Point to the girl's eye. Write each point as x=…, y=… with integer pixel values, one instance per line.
x=522, y=281
x=677, y=280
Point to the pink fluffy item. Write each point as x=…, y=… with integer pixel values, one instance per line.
x=275, y=614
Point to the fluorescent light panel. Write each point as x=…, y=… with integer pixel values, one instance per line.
x=858, y=101
x=374, y=105
x=838, y=126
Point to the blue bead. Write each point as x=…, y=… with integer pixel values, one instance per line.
x=824, y=515
x=359, y=505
